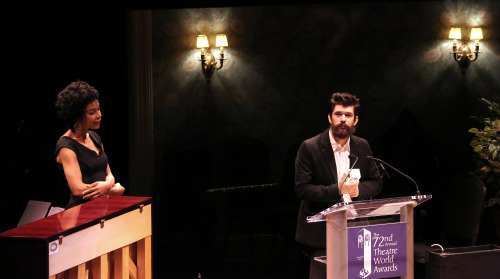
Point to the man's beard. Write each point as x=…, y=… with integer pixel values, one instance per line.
x=343, y=131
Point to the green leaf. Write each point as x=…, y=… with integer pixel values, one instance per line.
x=478, y=148
x=496, y=124
x=474, y=142
x=484, y=140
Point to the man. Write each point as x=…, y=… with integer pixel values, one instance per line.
x=321, y=166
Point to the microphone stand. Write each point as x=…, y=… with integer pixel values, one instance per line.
x=400, y=172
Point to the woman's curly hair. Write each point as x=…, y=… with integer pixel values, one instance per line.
x=73, y=100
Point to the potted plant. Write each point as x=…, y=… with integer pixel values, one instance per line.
x=486, y=145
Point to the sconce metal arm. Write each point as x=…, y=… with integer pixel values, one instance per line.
x=465, y=51
x=475, y=56
x=209, y=65
x=221, y=59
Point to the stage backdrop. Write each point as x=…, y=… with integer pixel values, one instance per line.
x=284, y=61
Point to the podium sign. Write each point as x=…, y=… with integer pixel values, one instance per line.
x=377, y=251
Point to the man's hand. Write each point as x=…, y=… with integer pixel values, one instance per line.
x=349, y=188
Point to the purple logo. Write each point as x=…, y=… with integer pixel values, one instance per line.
x=377, y=251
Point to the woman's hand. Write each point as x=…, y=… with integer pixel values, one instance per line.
x=97, y=189
x=116, y=190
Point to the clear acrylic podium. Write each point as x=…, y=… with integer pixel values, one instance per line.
x=342, y=215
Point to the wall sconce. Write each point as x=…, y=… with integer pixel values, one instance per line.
x=208, y=62
x=463, y=54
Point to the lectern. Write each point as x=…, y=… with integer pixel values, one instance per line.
x=109, y=237
x=369, y=239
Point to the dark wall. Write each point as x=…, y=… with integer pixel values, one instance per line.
x=244, y=127
x=282, y=64
x=43, y=50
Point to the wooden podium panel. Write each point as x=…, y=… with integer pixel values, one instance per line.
x=102, y=238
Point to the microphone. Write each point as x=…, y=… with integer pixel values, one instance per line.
x=346, y=197
x=400, y=172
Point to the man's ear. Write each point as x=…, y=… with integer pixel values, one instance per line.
x=356, y=121
x=330, y=118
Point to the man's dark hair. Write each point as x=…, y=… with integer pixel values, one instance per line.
x=346, y=100
x=73, y=100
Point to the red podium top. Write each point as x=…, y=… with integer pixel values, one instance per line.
x=78, y=217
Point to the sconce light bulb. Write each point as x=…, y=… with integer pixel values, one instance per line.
x=221, y=40
x=202, y=42
x=455, y=33
x=476, y=34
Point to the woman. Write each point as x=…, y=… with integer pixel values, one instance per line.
x=79, y=152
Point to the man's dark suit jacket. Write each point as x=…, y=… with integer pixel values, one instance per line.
x=316, y=182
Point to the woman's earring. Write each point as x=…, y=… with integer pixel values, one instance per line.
x=76, y=127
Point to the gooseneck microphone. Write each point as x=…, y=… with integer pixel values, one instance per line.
x=384, y=170
x=400, y=172
x=348, y=173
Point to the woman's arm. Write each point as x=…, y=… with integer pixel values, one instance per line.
x=72, y=171
x=100, y=188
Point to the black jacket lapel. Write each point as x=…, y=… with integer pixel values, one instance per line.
x=327, y=154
